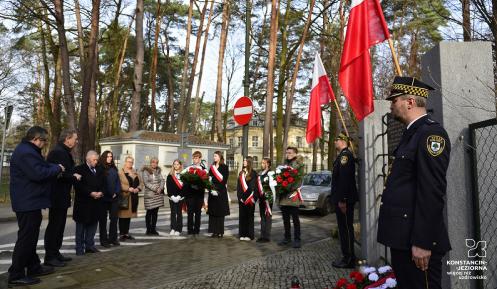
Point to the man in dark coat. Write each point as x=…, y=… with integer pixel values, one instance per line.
x=343, y=198
x=30, y=177
x=60, y=197
x=87, y=203
x=411, y=220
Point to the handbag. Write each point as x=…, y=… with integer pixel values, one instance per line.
x=123, y=202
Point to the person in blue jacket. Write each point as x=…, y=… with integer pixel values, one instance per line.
x=30, y=178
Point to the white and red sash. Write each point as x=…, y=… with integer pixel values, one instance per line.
x=259, y=186
x=177, y=181
x=243, y=182
x=217, y=174
x=297, y=195
x=250, y=200
x=268, y=209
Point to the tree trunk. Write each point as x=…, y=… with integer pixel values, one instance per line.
x=134, y=123
x=466, y=20
x=315, y=155
x=66, y=73
x=169, y=117
x=257, y=73
x=80, y=39
x=90, y=67
x=218, y=125
x=92, y=107
x=181, y=115
x=186, y=117
x=266, y=144
x=200, y=74
x=289, y=97
x=281, y=85
x=153, y=68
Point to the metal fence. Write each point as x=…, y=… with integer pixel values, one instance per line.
x=484, y=174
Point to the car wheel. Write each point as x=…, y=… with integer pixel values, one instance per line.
x=327, y=208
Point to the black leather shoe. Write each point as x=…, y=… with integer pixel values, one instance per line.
x=23, y=281
x=63, y=258
x=44, y=270
x=105, y=244
x=296, y=244
x=54, y=263
x=129, y=237
x=116, y=243
x=284, y=242
x=92, y=250
x=343, y=264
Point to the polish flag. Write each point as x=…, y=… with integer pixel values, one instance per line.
x=321, y=93
x=366, y=27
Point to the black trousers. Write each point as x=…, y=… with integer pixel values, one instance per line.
x=216, y=225
x=246, y=220
x=55, y=232
x=194, y=210
x=266, y=221
x=346, y=231
x=176, y=216
x=410, y=277
x=151, y=219
x=124, y=225
x=24, y=255
x=287, y=212
x=110, y=209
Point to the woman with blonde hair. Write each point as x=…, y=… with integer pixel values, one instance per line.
x=175, y=193
x=131, y=184
x=153, y=194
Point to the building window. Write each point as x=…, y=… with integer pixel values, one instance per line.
x=299, y=141
x=255, y=141
x=256, y=162
x=231, y=142
x=240, y=141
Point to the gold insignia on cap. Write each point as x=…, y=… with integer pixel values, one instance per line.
x=344, y=160
x=412, y=90
x=435, y=145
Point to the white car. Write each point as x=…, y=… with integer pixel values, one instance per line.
x=316, y=192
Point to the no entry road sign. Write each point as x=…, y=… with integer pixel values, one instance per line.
x=243, y=110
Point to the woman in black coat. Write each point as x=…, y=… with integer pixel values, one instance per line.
x=246, y=191
x=174, y=187
x=217, y=204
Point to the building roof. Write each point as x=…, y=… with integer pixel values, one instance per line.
x=144, y=135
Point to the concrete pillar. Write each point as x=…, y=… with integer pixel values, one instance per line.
x=373, y=148
x=463, y=74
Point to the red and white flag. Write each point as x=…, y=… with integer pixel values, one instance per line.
x=321, y=93
x=366, y=28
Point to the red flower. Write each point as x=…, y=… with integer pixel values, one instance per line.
x=285, y=183
x=290, y=180
x=294, y=171
x=279, y=179
x=286, y=174
x=341, y=282
x=191, y=170
x=351, y=286
x=357, y=277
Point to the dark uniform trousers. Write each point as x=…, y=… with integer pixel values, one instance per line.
x=24, y=255
x=176, y=216
x=266, y=221
x=194, y=205
x=346, y=231
x=293, y=212
x=246, y=220
x=110, y=209
x=54, y=233
x=410, y=277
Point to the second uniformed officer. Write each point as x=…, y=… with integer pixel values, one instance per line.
x=343, y=197
x=411, y=220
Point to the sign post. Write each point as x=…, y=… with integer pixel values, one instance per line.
x=6, y=121
x=242, y=113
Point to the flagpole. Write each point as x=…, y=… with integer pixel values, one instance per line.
x=343, y=123
x=394, y=56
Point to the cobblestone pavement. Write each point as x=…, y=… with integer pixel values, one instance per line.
x=204, y=263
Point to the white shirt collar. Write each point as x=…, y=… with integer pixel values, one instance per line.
x=409, y=125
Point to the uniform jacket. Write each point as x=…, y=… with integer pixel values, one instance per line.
x=86, y=208
x=218, y=205
x=252, y=187
x=284, y=199
x=172, y=188
x=263, y=195
x=125, y=192
x=411, y=212
x=60, y=195
x=343, y=183
x=152, y=181
x=30, y=178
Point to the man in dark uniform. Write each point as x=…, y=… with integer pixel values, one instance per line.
x=343, y=198
x=194, y=198
x=411, y=220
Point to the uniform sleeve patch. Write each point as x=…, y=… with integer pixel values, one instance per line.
x=435, y=145
x=344, y=160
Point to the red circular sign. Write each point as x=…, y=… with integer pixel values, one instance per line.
x=243, y=110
